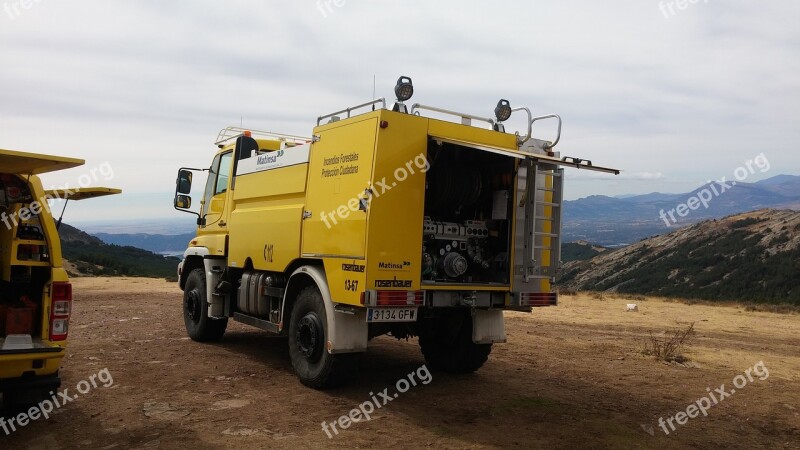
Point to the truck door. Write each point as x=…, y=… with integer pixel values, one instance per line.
x=340, y=172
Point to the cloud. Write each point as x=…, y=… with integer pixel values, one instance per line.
x=147, y=85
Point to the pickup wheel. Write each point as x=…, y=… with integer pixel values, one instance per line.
x=199, y=326
x=447, y=344
x=314, y=365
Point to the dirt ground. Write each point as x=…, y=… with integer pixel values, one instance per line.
x=569, y=377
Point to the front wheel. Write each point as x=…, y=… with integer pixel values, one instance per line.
x=446, y=343
x=314, y=365
x=199, y=326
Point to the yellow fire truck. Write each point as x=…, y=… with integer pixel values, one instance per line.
x=35, y=293
x=383, y=221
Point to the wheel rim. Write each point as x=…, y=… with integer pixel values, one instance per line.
x=310, y=337
x=192, y=305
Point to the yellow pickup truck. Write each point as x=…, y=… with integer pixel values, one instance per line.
x=35, y=293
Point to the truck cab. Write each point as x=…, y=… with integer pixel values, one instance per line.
x=35, y=292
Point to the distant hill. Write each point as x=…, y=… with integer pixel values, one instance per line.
x=157, y=243
x=747, y=257
x=88, y=255
x=615, y=221
x=72, y=235
x=580, y=251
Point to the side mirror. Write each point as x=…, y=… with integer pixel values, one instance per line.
x=183, y=201
x=184, y=182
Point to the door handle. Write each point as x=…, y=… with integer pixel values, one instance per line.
x=222, y=223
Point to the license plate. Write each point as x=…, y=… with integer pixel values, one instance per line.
x=392, y=315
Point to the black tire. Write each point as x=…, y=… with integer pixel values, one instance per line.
x=308, y=331
x=199, y=326
x=16, y=402
x=447, y=344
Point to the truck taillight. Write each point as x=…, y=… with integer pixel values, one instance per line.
x=61, y=297
x=396, y=298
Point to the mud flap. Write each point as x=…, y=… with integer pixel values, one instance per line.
x=488, y=326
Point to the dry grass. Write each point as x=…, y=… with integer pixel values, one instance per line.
x=637, y=297
x=597, y=295
x=783, y=308
x=780, y=308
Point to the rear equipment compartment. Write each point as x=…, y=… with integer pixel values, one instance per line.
x=467, y=226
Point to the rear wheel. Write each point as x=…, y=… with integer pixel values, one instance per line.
x=199, y=326
x=447, y=344
x=314, y=365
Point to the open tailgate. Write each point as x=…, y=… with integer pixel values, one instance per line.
x=565, y=161
x=23, y=163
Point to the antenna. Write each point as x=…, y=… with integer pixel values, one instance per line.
x=373, y=90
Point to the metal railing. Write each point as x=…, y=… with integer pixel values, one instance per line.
x=226, y=134
x=523, y=139
x=466, y=119
x=350, y=110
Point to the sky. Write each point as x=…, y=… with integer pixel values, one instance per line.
x=674, y=93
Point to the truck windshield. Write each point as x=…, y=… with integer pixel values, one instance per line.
x=217, y=183
x=212, y=179
x=224, y=173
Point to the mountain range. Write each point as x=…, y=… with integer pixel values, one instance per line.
x=623, y=220
x=170, y=245
x=601, y=220
x=85, y=254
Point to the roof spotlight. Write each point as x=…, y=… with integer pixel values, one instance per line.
x=503, y=110
x=404, y=89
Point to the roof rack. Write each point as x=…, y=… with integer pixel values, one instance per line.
x=226, y=134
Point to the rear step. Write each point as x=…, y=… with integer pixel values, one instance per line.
x=256, y=322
